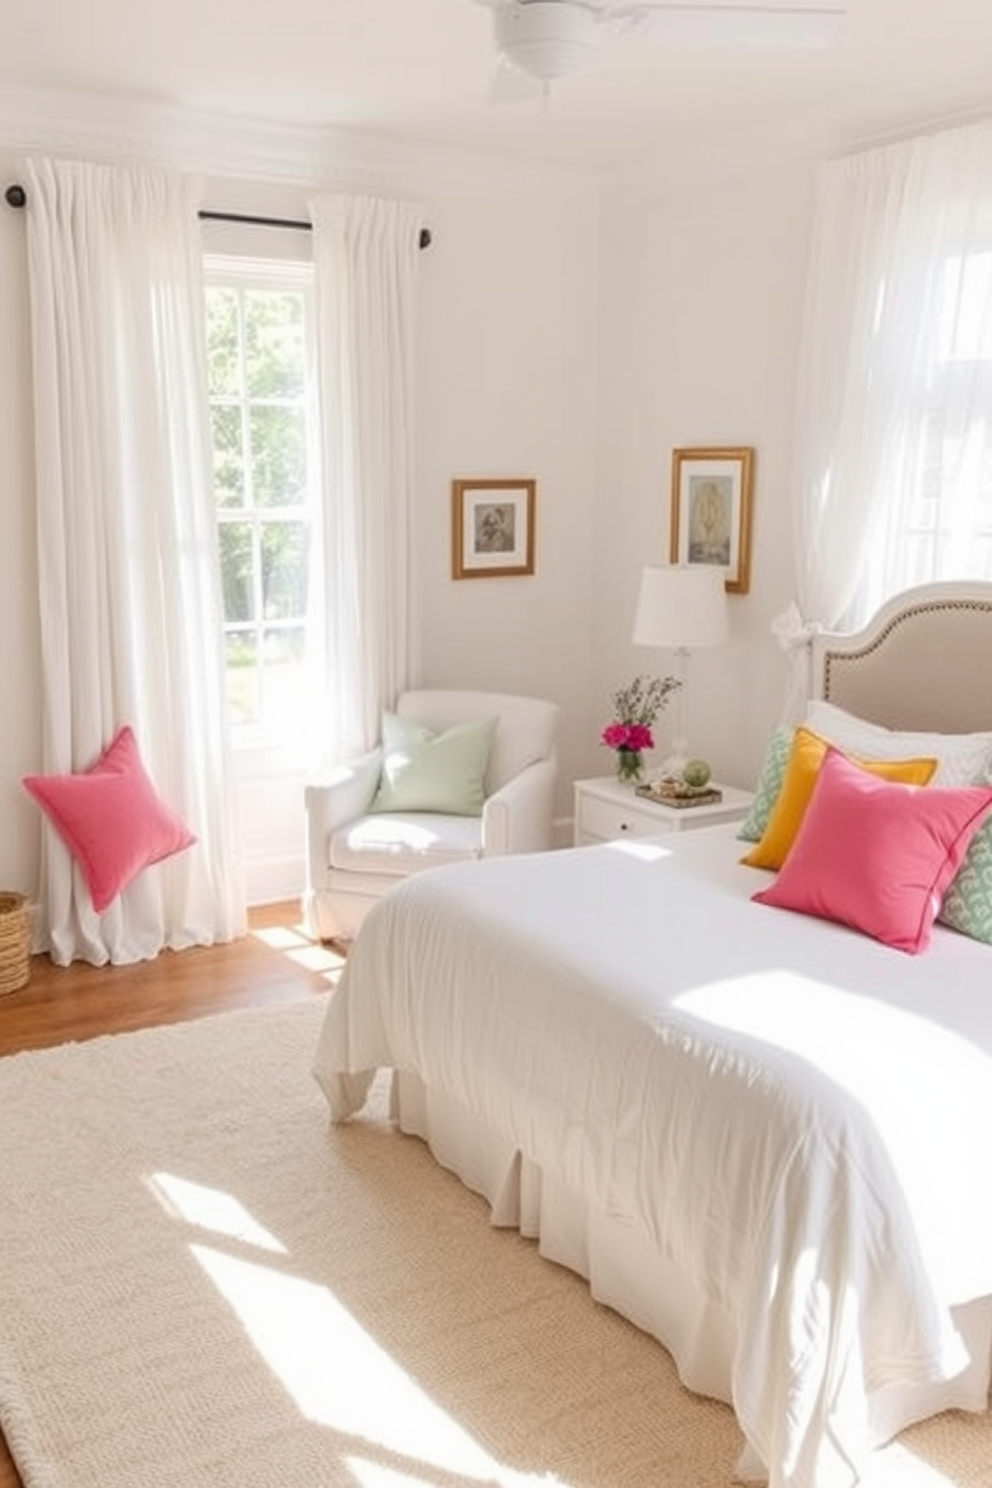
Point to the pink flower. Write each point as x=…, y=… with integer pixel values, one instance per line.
x=635, y=736
x=639, y=736
x=636, y=707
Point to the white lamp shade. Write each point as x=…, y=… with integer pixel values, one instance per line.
x=682, y=607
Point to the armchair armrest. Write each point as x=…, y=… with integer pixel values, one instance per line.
x=518, y=818
x=329, y=801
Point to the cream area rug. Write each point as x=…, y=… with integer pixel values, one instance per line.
x=204, y=1285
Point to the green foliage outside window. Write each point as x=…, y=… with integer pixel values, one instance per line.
x=257, y=379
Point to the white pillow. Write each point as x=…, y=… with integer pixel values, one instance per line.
x=962, y=759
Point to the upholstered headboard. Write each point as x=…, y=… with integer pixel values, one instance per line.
x=924, y=662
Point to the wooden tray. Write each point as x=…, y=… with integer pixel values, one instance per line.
x=672, y=793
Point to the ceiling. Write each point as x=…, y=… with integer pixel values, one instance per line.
x=420, y=71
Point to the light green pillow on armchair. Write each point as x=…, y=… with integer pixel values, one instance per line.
x=423, y=771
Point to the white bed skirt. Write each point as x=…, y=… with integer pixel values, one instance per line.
x=626, y=1272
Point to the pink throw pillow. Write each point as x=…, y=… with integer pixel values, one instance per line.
x=111, y=818
x=877, y=855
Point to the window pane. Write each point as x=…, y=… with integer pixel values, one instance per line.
x=274, y=355
x=964, y=326
x=258, y=324
x=237, y=565
x=938, y=480
x=242, y=676
x=229, y=465
x=284, y=646
x=279, y=456
x=223, y=353
x=921, y=557
x=283, y=679
x=285, y=547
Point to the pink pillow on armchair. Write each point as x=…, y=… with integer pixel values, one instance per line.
x=876, y=855
x=111, y=818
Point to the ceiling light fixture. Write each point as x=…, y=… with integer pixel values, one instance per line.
x=547, y=39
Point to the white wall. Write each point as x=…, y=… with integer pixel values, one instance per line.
x=558, y=339
x=702, y=297
x=510, y=381
x=507, y=385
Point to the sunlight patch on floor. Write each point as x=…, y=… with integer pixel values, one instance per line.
x=340, y=1377
x=280, y=937
x=296, y=946
x=317, y=958
x=211, y=1209
x=375, y=1475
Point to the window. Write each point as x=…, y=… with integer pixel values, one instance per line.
x=259, y=357
x=958, y=470
x=936, y=519
x=950, y=521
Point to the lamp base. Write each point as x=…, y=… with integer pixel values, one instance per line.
x=678, y=755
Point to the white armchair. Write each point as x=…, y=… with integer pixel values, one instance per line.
x=354, y=855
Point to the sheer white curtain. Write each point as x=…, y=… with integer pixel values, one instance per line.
x=128, y=573
x=366, y=254
x=893, y=475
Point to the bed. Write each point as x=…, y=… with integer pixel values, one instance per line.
x=763, y=1135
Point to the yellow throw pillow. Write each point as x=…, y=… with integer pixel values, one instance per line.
x=803, y=766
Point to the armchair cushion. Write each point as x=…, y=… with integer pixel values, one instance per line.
x=400, y=843
x=434, y=772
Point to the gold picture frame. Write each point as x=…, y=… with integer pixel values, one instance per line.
x=492, y=528
x=711, y=511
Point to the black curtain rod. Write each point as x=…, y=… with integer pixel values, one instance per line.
x=16, y=196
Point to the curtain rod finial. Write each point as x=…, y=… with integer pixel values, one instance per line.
x=15, y=196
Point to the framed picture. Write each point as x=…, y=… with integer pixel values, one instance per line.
x=492, y=528
x=711, y=511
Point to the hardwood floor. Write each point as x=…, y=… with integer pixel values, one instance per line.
x=274, y=962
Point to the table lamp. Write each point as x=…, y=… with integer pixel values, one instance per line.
x=681, y=608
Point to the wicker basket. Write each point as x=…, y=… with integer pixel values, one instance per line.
x=15, y=942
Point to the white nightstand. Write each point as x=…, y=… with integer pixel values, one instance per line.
x=605, y=810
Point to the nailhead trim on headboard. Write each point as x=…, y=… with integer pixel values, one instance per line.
x=852, y=657
x=905, y=675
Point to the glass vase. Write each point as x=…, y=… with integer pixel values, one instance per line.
x=630, y=766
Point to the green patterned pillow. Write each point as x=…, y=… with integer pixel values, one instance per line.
x=769, y=784
x=967, y=904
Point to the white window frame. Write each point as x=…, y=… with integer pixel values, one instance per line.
x=239, y=272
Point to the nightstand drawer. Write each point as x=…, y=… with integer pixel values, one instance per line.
x=604, y=820
x=606, y=811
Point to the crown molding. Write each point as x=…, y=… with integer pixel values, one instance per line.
x=705, y=162
x=116, y=130
x=809, y=140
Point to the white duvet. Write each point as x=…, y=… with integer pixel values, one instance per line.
x=797, y=1117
